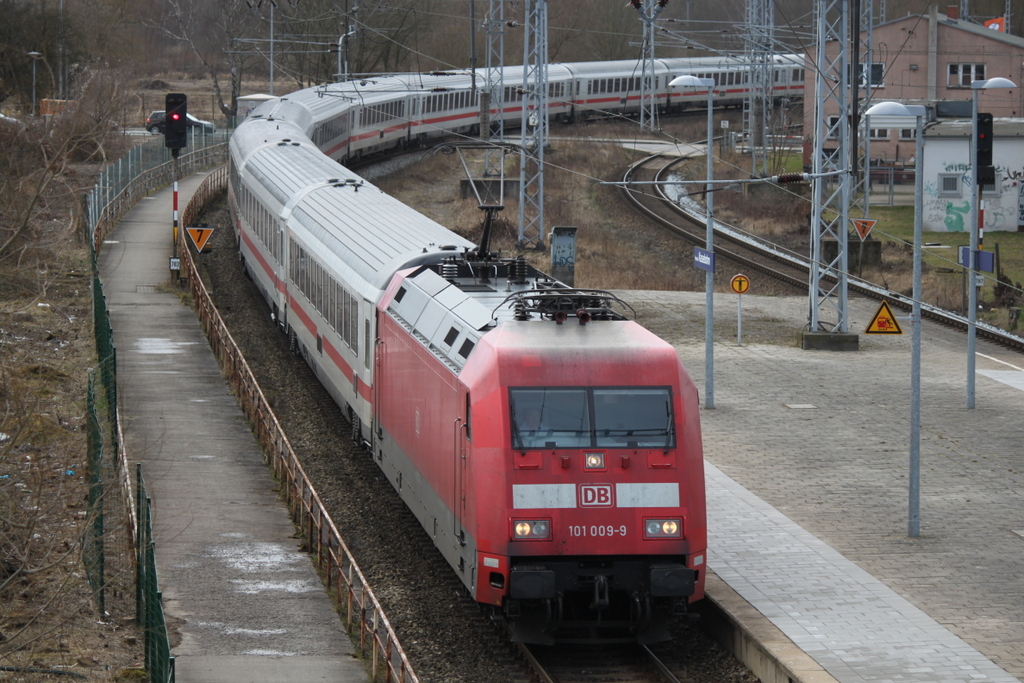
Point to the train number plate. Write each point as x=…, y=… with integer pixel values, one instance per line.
x=597, y=530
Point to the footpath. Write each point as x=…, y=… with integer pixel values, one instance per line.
x=244, y=604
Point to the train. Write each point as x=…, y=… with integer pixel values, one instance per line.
x=548, y=444
x=373, y=114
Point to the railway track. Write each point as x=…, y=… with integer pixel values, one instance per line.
x=593, y=664
x=752, y=253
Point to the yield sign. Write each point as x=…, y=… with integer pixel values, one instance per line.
x=863, y=226
x=200, y=236
x=884, y=322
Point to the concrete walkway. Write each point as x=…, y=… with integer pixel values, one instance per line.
x=243, y=603
x=807, y=491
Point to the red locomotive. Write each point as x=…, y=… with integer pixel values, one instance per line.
x=559, y=469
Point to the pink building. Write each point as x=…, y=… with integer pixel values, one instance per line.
x=931, y=60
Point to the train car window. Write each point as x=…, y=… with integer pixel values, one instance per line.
x=466, y=348
x=633, y=417
x=549, y=418
x=452, y=335
x=366, y=347
x=353, y=312
x=603, y=417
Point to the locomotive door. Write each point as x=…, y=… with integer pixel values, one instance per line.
x=463, y=435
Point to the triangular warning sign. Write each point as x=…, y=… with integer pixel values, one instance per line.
x=884, y=322
x=200, y=236
x=863, y=226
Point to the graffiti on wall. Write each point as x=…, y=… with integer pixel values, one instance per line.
x=952, y=214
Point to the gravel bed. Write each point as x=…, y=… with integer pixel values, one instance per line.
x=446, y=635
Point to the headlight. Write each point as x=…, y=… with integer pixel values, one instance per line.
x=662, y=528
x=531, y=529
x=593, y=461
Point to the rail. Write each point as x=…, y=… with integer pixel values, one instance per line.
x=345, y=581
x=857, y=285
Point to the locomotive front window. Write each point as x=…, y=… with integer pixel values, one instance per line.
x=601, y=417
x=633, y=417
x=550, y=418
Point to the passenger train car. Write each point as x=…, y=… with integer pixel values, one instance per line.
x=549, y=445
x=372, y=114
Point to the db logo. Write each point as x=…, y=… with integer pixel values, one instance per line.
x=596, y=495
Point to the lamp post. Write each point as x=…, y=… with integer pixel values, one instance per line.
x=972, y=289
x=689, y=81
x=914, y=484
x=35, y=58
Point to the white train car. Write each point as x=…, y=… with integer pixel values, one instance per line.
x=300, y=220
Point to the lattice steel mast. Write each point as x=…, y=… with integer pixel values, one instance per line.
x=830, y=204
x=649, y=10
x=494, y=92
x=757, y=106
x=862, y=66
x=535, y=125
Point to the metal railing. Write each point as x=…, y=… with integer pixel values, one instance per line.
x=145, y=168
x=360, y=609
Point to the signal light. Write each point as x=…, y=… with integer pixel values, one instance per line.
x=176, y=121
x=983, y=150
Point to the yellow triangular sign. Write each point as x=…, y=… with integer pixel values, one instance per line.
x=863, y=226
x=200, y=236
x=884, y=322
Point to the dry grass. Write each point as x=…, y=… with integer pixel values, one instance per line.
x=48, y=618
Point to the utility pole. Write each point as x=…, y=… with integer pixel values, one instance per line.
x=830, y=203
x=535, y=125
x=649, y=10
x=492, y=100
x=760, y=51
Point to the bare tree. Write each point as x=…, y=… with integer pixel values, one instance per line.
x=216, y=32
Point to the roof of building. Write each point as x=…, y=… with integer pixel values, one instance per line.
x=968, y=26
x=959, y=128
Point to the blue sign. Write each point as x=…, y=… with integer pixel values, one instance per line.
x=704, y=259
x=986, y=260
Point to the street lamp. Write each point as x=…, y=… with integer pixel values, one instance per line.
x=35, y=58
x=690, y=81
x=972, y=290
x=914, y=488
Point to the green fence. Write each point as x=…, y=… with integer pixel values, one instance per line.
x=149, y=600
x=92, y=541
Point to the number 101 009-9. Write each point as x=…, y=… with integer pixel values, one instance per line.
x=598, y=530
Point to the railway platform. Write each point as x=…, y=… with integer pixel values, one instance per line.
x=244, y=603
x=807, y=458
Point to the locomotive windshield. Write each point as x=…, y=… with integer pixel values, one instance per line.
x=592, y=417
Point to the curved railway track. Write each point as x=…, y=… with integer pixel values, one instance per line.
x=755, y=254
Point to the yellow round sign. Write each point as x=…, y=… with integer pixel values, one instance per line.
x=740, y=283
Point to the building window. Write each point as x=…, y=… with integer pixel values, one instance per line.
x=879, y=134
x=875, y=71
x=961, y=75
x=908, y=133
x=949, y=185
x=832, y=132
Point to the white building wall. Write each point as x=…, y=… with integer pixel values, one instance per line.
x=949, y=211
